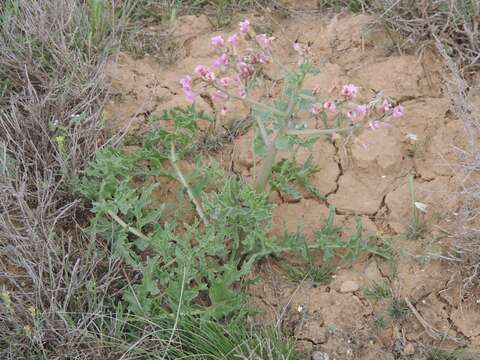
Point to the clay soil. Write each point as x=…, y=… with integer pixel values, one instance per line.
x=338, y=318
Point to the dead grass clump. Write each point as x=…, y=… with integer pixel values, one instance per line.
x=467, y=224
x=52, y=55
x=454, y=23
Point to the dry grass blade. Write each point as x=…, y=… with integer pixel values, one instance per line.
x=51, y=79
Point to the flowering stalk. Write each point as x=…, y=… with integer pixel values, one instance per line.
x=241, y=54
x=269, y=161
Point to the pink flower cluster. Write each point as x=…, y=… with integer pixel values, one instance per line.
x=264, y=41
x=205, y=73
x=359, y=112
x=244, y=26
x=349, y=91
x=186, y=83
x=233, y=67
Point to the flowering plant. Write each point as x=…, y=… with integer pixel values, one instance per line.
x=282, y=124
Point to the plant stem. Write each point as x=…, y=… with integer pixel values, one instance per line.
x=248, y=100
x=411, y=189
x=183, y=181
x=127, y=227
x=269, y=161
x=263, y=131
x=320, y=131
x=266, y=168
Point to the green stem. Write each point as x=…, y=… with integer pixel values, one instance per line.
x=183, y=181
x=263, y=131
x=320, y=131
x=249, y=100
x=411, y=189
x=269, y=161
x=266, y=169
x=135, y=232
x=127, y=227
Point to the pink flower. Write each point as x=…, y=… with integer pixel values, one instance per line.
x=225, y=82
x=205, y=73
x=210, y=76
x=186, y=82
x=218, y=41
x=398, y=111
x=244, y=26
x=386, y=106
x=316, y=109
x=201, y=70
x=297, y=47
x=243, y=93
x=263, y=58
x=330, y=106
x=361, y=110
x=264, y=41
x=221, y=60
x=244, y=69
x=374, y=125
x=349, y=90
x=233, y=40
x=352, y=115
x=219, y=95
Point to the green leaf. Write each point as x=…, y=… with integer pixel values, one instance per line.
x=309, y=68
x=284, y=142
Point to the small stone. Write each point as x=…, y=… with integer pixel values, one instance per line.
x=409, y=349
x=349, y=286
x=318, y=355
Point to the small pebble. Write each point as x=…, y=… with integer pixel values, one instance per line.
x=318, y=355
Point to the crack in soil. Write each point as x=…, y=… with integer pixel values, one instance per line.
x=337, y=160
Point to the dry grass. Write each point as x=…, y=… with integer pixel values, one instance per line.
x=467, y=227
x=454, y=23
x=52, y=56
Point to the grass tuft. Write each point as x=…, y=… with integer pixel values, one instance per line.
x=398, y=309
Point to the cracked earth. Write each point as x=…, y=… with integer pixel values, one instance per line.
x=339, y=319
